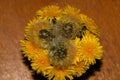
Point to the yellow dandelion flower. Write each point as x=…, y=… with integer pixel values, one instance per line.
x=29, y=27
x=92, y=27
x=40, y=63
x=28, y=49
x=90, y=49
x=50, y=12
x=61, y=74
x=80, y=68
x=71, y=11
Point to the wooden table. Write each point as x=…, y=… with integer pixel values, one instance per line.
x=14, y=15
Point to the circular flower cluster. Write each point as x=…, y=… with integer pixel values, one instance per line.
x=61, y=43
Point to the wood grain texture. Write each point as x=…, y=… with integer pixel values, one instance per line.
x=14, y=15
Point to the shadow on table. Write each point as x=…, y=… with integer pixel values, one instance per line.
x=85, y=76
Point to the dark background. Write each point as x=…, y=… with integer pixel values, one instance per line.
x=14, y=15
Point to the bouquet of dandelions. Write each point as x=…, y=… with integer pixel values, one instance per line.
x=61, y=43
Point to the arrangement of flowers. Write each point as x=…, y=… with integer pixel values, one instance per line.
x=61, y=43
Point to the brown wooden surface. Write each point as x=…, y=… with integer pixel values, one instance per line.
x=14, y=15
